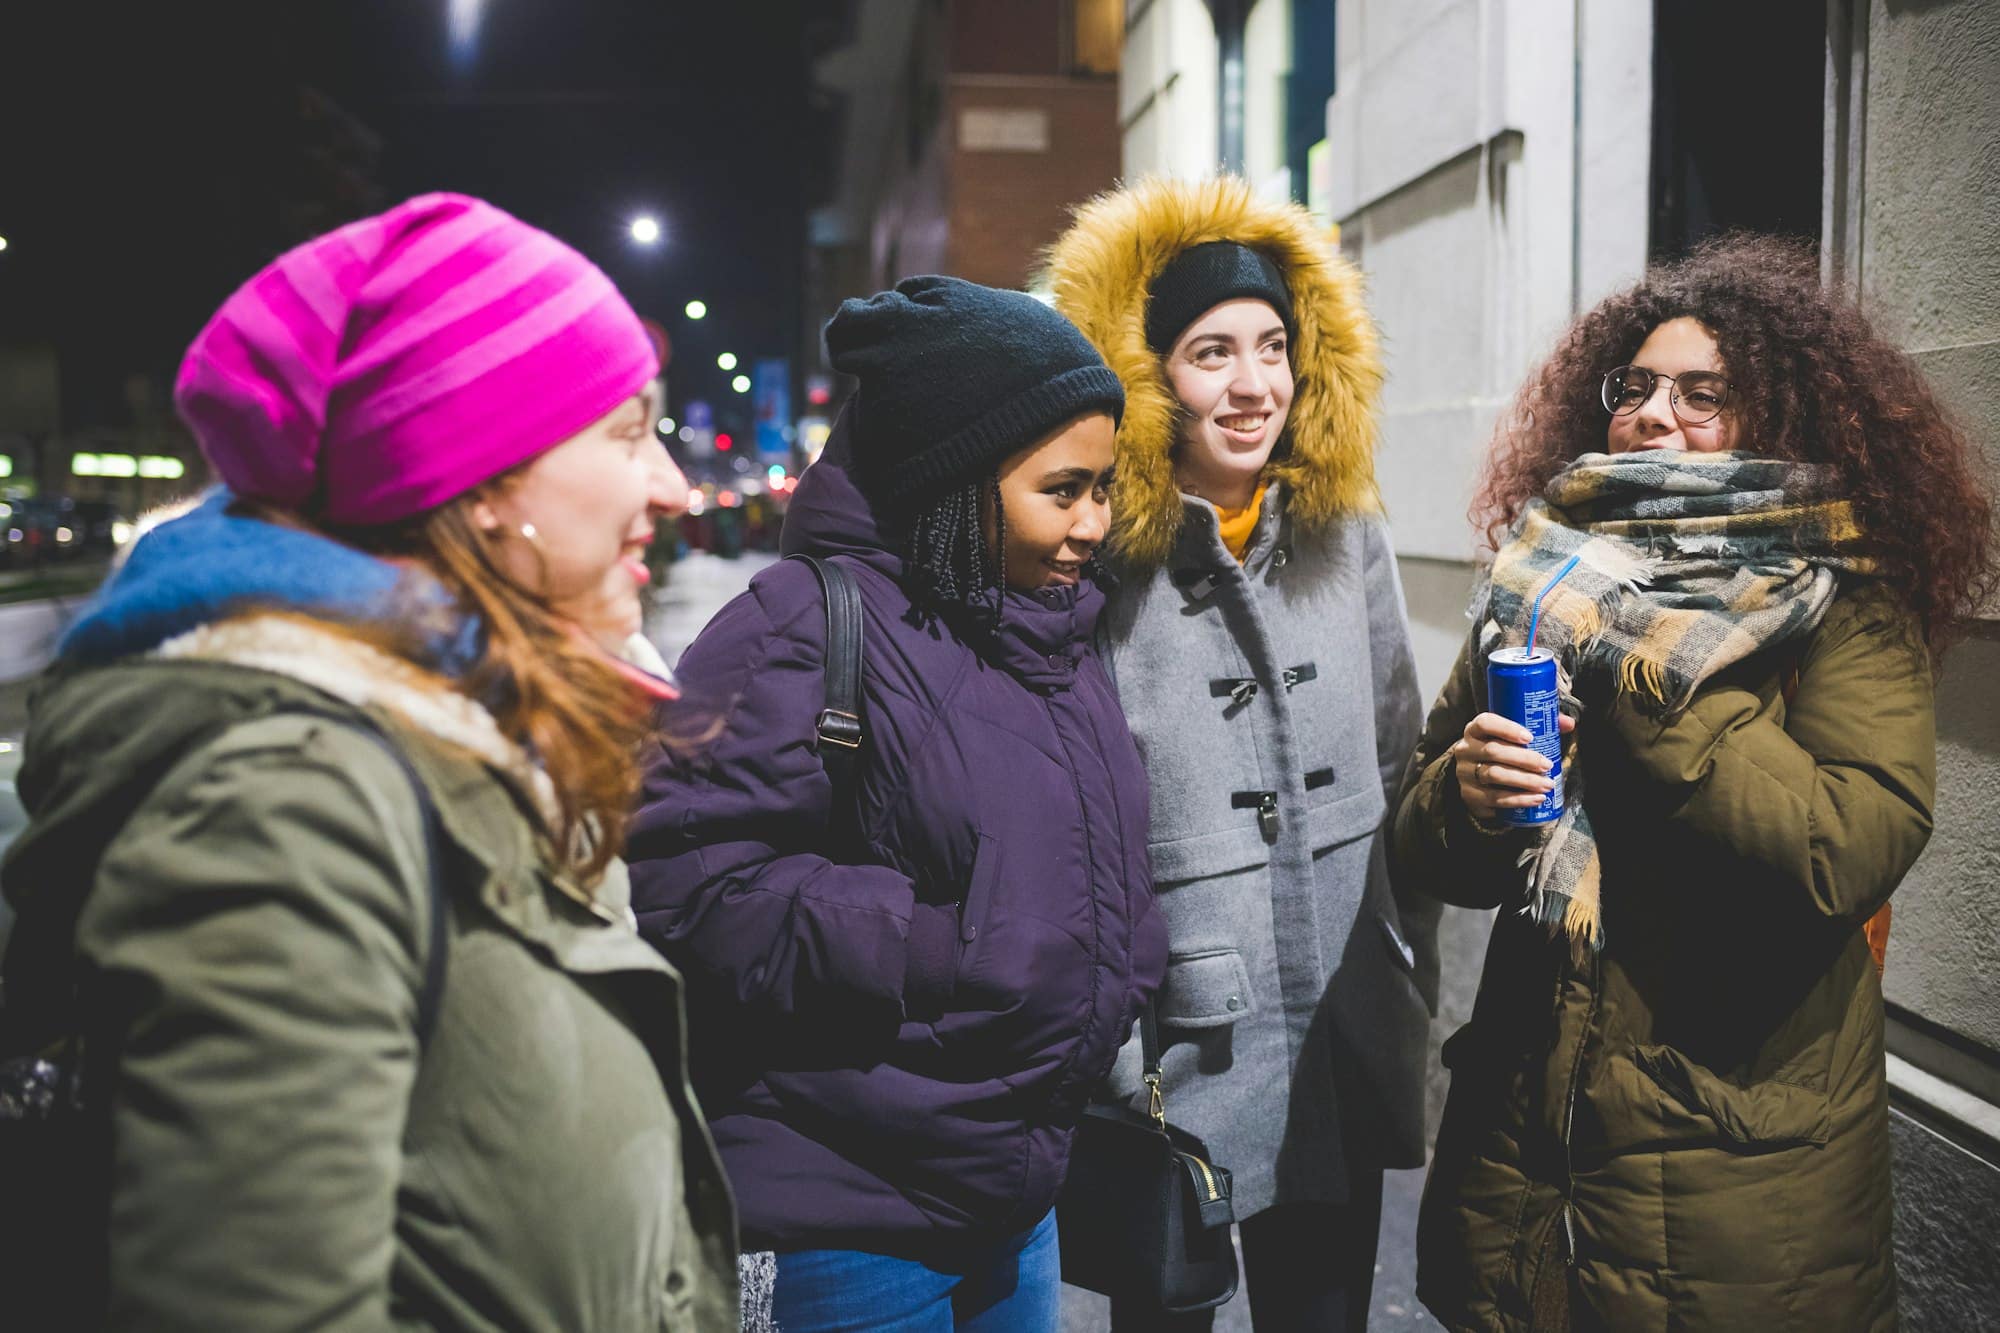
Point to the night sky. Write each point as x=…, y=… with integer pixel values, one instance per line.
x=152, y=156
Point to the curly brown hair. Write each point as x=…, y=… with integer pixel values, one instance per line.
x=1811, y=380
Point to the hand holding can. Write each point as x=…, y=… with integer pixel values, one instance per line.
x=1499, y=769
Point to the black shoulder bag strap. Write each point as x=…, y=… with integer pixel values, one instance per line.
x=840, y=719
x=1149, y=1049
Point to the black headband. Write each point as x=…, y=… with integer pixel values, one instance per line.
x=1202, y=277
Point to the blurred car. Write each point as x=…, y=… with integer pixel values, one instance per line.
x=45, y=529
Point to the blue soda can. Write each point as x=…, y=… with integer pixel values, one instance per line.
x=1521, y=685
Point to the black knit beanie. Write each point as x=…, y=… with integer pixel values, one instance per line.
x=955, y=377
x=1202, y=277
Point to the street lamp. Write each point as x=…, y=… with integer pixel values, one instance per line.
x=646, y=230
x=741, y=384
x=696, y=309
x=727, y=361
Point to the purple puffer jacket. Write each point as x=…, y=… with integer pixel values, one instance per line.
x=899, y=1009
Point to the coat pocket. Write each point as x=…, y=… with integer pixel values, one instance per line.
x=1340, y=821
x=978, y=899
x=1204, y=990
x=1769, y=1113
x=1208, y=855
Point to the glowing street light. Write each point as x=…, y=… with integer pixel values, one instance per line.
x=666, y=427
x=646, y=230
x=696, y=310
x=741, y=384
x=3, y=242
x=727, y=361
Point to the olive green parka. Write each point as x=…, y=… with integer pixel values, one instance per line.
x=245, y=873
x=1688, y=1131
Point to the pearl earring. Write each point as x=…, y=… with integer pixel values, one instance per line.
x=528, y=532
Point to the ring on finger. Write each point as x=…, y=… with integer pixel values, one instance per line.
x=1479, y=775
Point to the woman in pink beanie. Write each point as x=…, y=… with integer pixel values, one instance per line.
x=320, y=907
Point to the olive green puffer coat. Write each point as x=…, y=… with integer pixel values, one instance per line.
x=1703, y=1107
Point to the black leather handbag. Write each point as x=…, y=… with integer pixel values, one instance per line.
x=1144, y=1217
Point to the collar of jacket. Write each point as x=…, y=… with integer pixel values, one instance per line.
x=1201, y=561
x=488, y=831
x=208, y=564
x=1041, y=636
x=1101, y=272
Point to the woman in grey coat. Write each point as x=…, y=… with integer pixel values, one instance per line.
x=1262, y=655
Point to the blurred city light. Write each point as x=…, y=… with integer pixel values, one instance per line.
x=104, y=465
x=666, y=426
x=697, y=309
x=729, y=499
x=776, y=472
x=6, y=470
x=645, y=230
x=724, y=442
x=741, y=384
x=462, y=18
x=696, y=503
x=3, y=242
x=125, y=465
x=727, y=361
x=686, y=433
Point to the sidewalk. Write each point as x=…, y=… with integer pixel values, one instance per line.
x=698, y=585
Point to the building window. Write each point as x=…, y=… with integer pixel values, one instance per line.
x=1739, y=100
x=1308, y=88
x=1097, y=33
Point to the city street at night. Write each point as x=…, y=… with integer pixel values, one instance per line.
x=1361, y=608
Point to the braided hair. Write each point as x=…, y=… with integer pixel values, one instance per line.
x=946, y=560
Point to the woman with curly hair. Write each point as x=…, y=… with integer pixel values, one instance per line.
x=1670, y=1107
x=1263, y=658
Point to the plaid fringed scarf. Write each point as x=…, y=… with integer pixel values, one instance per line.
x=1687, y=563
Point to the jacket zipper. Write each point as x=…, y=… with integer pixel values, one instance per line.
x=1090, y=885
x=1569, y=1120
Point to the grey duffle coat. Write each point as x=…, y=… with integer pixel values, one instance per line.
x=1275, y=703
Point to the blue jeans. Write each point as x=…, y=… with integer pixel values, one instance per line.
x=1015, y=1287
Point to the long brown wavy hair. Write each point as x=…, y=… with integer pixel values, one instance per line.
x=1812, y=381
x=552, y=691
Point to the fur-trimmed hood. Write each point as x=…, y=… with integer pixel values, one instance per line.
x=1101, y=271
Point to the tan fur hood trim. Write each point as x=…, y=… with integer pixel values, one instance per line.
x=1101, y=271
x=365, y=677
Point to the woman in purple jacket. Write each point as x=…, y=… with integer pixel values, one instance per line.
x=904, y=989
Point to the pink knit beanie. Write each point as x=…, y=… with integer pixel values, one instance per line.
x=379, y=370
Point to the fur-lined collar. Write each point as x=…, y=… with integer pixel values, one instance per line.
x=366, y=677
x=1101, y=271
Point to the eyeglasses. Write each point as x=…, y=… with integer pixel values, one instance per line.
x=1698, y=396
